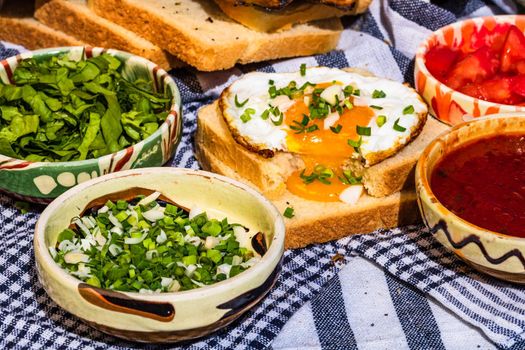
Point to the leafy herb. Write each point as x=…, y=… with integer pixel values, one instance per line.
x=150, y=246
x=337, y=129
x=289, y=213
x=378, y=94
x=64, y=110
x=363, y=130
x=303, y=69
x=240, y=104
x=381, y=120
x=408, y=110
x=398, y=127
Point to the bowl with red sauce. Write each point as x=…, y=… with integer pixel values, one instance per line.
x=473, y=68
x=470, y=183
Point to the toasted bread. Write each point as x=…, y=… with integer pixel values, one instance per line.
x=314, y=222
x=18, y=26
x=200, y=34
x=73, y=17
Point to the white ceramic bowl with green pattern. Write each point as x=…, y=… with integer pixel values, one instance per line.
x=170, y=316
x=43, y=181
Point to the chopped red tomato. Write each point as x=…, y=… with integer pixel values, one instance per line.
x=474, y=67
x=513, y=50
x=498, y=90
x=440, y=59
x=518, y=85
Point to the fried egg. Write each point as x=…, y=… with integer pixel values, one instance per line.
x=326, y=116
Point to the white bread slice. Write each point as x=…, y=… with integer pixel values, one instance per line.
x=200, y=34
x=76, y=19
x=317, y=222
x=18, y=26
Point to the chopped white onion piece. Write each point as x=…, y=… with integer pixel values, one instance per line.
x=85, y=220
x=115, y=249
x=166, y=281
x=236, y=260
x=81, y=225
x=114, y=220
x=150, y=253
x=250, y=262
x=190, y=270
x=195, y=211
x=75, y=257
x=117, y=230
x=225, y=269
x=101, y=240
x=83, y=271
x=200, y=284
x=211, y=242
x=103, y=210
x=145, y=291
x=161, y=238
x=352, y=194
x=53, y=252
x=66, y=246
x=193, y=240
x=330, y=120
x=282, y=102
x=86, y=243
x=153, y=215
x=306, y=100
x=175, y=286
x=329, y=94
x=148, y=199
x=129, y=240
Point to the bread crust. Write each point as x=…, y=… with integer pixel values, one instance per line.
x=200, y=34
x=78, y=20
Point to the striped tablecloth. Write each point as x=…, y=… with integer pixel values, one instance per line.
x=395, y=289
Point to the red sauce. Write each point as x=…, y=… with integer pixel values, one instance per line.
x=484, y=183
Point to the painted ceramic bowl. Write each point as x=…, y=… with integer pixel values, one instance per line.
x=164, y=317
x=448, y=105
x=499, y=255
x=43, y=181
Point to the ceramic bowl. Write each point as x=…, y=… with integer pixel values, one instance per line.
x=448, y=105
x=43, y=181
x=499, y=255
x=164, y=317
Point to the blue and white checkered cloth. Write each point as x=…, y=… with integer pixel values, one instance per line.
x=394, y=289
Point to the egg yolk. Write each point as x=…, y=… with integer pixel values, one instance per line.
x=322, y=149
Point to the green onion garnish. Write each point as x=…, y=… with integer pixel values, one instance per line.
x=363, y=130
x=398, y=127
x=349, y=178
x=247, y=115
x=381, y=120
x=408, y=110
x=337, y=129
x=303, y=69
x=355, y=144
x=348, y=90
x=289, y=213
x=376, y=107
x=271, y=82
x=240, y=104
x=265, y=114
x=312, y=128
x=348, y=104
x=378, y=94
x=357, y=92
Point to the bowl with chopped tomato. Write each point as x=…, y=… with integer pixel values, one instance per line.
x=71, y=114
x=159, y=254
x=473, y=68
x=469, y=183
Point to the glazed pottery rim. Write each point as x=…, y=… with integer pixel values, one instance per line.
x=422, y=176
x=423, y=49
x=273, y=254
x=169, y=82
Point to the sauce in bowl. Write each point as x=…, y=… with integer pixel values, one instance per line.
x=483, y=182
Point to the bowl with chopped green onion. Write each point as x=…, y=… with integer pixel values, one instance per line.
x=159, y=254
x=71, y=114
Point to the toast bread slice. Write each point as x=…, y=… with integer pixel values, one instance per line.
x=314, y=222
x=74, y=18
x=18, y=26
x=200, y=34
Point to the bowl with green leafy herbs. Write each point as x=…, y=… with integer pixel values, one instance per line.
x=71, y=114
x=159, y=254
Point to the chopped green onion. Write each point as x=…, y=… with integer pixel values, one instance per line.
x=247, y=115
x=265, y=114
x=348, y=104
x=240, y=104
x=408, y=110
x=312, y=128
x=376, y=107
x=355, y=144
x=271, y=82
x=289, y=213
x=363, y=130
x=337, y=129
x=381, y=120
x=348, y=90
x=378, y=94
x=398, y=127
x=303, y=69
x=357, y=92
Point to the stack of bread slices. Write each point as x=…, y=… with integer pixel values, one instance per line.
x=206, y=34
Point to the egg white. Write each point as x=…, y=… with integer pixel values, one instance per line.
x=263, y=134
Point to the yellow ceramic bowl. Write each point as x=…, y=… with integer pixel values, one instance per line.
x=448, y=105
x=497, y=254
x=164, y=317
